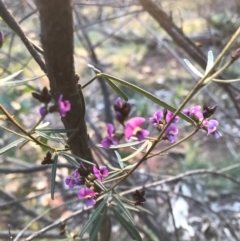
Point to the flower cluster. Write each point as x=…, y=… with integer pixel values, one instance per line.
x=44, y=97
x=86, y=176
x=201, y=118
x=159, y=120
x=132, y=127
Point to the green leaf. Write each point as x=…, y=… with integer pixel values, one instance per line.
x=127, y=226
x=70, y=160
x=210, y=61
x=96, y=225
x=11, y=145
x=149, y=96
x=193, y=69
x=94, y=216
x=10, y=77
x=122, y=207
x=18, y=82
x=100, y=185
x=49, y=130
x=79, y=158
x=139, y=150
x=119, y=159
x=128, y=144
x=53, y=176
x=48, y=137
x=116, y=88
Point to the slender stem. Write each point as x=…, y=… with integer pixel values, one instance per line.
x=10, y=118
x=89, y=82
x=114, y=179
x=175, y=144
x=15, y=133
x=34, y=127
x=186, y=100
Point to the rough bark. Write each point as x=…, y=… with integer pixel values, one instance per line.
x=57, y=42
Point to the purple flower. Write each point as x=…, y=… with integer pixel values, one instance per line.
x=122, y=110
x=74, y=179
x=109, y=140
x=63, y=106
x=89, y=194
x=216, y=134
x=195, y=113
x=43, y=111
x=133, y=128
x=156, y=117
x=101, y=172
x=169, y=116
x=170, y=133
x=211, y=125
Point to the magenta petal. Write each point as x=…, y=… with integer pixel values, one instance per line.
x=135, y=121
x=110, y=129
x=118, y=102
x=82, y=193
x=128, y=132
x=212, y=123
x=186, y=112
x=90, y=202
x=171, y=130
x=171, y=138
x=216, y=134
x=104, y=171
x=106, y=142
x=67, y=105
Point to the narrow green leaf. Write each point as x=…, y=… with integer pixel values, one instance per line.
x=116, y=88
x=149, y=96
x=96, y=225
x=43, y=125
x=139, y=150
x=119, y=159
x=79, y=158
x=49, y=130
x=94, y=216
x=53, y=176
x=122, y=207
x=18, y=82
x=114, y=168
x=128, y=144
x=112, y=176
x=193, y=69
x=127, y=226
x=100, y=185
x=48, y=137
x=10, y=77
x=210, y=61
x=11, y=145
x=70, y=160
x=225, y=81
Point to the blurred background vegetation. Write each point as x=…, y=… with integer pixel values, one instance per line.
x=122, y=39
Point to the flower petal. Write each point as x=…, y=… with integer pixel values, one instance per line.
x=135, y=121
x=90, y=202
x=104, y=171
x=110, y=129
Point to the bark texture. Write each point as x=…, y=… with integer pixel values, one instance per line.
x=57, y=42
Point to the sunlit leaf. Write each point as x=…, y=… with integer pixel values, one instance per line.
x=192, y=68
x=9, y=77
x=139, y=150
x=122, y=207
x=18, y=82
x=210, y=61
x=49, y=130
x=11, y=145
x=96, y=225
x=94, y=216
x=132, y=231
x=148, y=95
x=43, y=125
x=128, y=144
x=53, y=175
x=48, y=137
